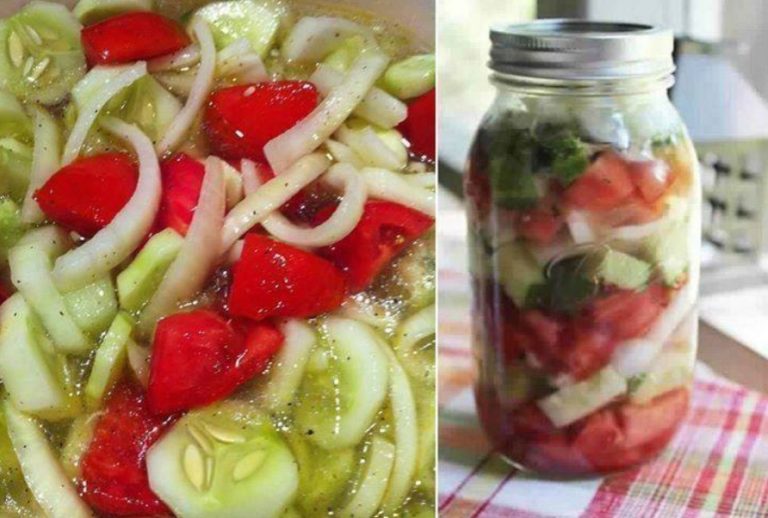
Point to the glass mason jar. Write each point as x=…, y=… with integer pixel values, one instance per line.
x=583, y=202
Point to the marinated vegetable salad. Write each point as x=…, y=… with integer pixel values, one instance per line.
x=217, y=262
x=584, y=240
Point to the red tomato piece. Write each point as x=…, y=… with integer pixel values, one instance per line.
x=273, y=279
x=385, y=229
x=628, y=314
x=539, y=225
x=240, y=120
x=419, y=127
x=132, y=37
x=199, y=358
x=114, y=479
x=182, y=178
x=605, y=184
x=85, y=195
x=651, y=177
x=657, y=418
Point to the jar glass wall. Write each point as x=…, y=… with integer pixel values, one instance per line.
x=584, y=204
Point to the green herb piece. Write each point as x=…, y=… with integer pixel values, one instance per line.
x=511, y=169
x=566, y=288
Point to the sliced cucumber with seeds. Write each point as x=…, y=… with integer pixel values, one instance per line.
x=341, y=402
x=41, y=57
x=137, y=283
x=255, y=20
x=93, y=306
x=109, y=361
x=410, y=77
x=92, y=11
x=35, y=376
x=15, y=166
x=221, y=461
x=14, y=121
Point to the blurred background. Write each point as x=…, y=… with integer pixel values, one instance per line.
x=721, y=91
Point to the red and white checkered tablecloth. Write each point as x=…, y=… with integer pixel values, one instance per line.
x=717, y=466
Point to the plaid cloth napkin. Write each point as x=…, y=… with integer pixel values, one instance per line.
x=717, y=466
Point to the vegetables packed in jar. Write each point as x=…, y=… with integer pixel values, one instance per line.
x=584, y=207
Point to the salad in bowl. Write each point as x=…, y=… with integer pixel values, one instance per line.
x=216, y=261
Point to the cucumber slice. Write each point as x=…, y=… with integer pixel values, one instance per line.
x=671, y=369
x=518, y=271
x=341, y=402
x=41, y=57
x=44, y=475
x=14, y=122
x=323, y=475
x=31, y=262
x=572, y=402
x=138, y=282
x=92, y=11
x=145, y=102
x=620, y=269
x=15, y=166
x=36, y=378
x=410, y=77
x=11, y=227
x=78, y=440
x=93, y=306
x=109, y=360
x=256, y=21
x=370, y=491
x=221, y=461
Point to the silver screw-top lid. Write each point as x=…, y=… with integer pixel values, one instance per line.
x=581, y=50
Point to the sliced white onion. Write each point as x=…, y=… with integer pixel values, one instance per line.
x=138, y=359
x=87, y=114
x=343, y=220
x=287, y=369
x=184, y=58
x=235, y=252
x=180, y=83
x=115, y=242
x=675, y=211
x=424, y=180
x=343, y=153
x=199, y=92
x=233, y=185
x=30, y=263
x=313, y=38
x=580, y=227
x=371, y=148
x=45, y=162
x=635, y=356
x=199, y=253
x=415, y=329
x=311, y=132
x=406, y=434
x=377, y=107
x=239, y=59
x=368, y=494
x=391, y=186
x=271, y=196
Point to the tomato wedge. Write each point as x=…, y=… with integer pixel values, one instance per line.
x=182, y=178
x=384, y=230
x=273, y=279
x=114, y=479
x=85, y=195
x=419, y=127
x=628, y=314
x=651, y=177
x=605, y=184
x=199, y=358
x=240, y=120
x=132, y=37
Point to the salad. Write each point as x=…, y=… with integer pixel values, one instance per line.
x=216, y=261
x=584, y=241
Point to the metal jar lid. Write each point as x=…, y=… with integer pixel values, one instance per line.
x=581, y=50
